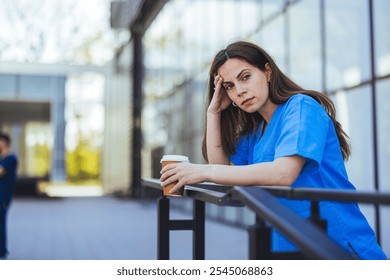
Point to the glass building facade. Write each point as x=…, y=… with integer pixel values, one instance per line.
x=340, y=48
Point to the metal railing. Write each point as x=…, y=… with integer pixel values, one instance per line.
x=307, y=235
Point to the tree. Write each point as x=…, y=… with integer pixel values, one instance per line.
x=61, y=31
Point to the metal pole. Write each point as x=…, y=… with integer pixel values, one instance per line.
x=198, y=242
x=259, y=241
x=323, y=47
x=315, y=216
x=163, y=228
x=137, y=75
x=374, y=120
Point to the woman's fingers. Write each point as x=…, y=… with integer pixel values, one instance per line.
x=168, y=167
x=166, y=173
x=170, y=173
x=217, y=84
x=220, y=101
x=176, y=187
x=169, y=180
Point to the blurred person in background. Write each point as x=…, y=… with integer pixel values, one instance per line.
x=8, y=166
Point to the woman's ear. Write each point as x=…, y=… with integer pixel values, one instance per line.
x=268, y=71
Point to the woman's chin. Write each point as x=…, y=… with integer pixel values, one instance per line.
x=249, y=110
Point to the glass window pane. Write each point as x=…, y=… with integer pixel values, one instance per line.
x=358, y=125
x=383, y=111
x=305, y=48
x=382, y=38
x=385, y=229
x=270, y=7
x=272, y=40
x=35, y=87
x=350, y=106
x=347, y=43
x=8, y=86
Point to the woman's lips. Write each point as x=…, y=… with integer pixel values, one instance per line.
x=246, y=100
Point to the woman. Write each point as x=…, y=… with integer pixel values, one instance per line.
x=263, y=129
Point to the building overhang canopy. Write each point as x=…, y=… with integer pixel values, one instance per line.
x=135, y=15
x=21, y=111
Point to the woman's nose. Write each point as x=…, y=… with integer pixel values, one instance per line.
x=240, y=90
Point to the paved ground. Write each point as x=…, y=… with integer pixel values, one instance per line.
x=105, y=228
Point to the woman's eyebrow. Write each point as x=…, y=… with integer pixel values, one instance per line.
x=239, y=74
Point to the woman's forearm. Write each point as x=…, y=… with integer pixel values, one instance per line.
x=282, y=172
x=215, y=152
x=245, y=175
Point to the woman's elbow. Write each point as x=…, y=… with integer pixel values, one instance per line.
x=286, y=182
x=288, y=169
x=287, y=177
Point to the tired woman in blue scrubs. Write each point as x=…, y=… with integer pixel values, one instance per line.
x=263, y=129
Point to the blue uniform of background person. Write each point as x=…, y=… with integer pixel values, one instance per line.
x=7, y=182
x=302, y=127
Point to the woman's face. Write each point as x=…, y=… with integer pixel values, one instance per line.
x=247, y=86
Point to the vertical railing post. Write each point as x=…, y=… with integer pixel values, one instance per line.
x=315, y=216
x=259, y=241
x=198, y=242
x=163, y=228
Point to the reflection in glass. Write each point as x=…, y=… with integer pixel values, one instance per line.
x=382, y=38
x=347, y=43
x=354, y=112
x=383, y=111
x=305, y=51
x=355, y=115
x=272, y=39
x=271, y=7
x=385, y=228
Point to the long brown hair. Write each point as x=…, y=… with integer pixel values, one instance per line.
x=235, y=122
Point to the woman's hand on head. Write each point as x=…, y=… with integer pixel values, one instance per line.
x=184, y=173
x=220, y=100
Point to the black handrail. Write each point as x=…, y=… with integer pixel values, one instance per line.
x=301, y=193
x=207, y=192
x=314, y=194
x=312, y=241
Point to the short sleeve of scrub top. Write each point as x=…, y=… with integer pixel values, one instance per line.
x=303, y=129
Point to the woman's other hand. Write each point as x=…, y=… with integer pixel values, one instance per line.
x=220, y=100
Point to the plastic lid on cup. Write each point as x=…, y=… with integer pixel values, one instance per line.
x=175, y=158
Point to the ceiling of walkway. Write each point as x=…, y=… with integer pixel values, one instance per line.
x=11, y=111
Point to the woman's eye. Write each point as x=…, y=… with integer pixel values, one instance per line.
x=228, y=87
x=246, y=77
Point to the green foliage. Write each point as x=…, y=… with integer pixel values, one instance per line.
x=83, y=163
x=40, y=160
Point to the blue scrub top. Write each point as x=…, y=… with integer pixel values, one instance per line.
x=302, y=127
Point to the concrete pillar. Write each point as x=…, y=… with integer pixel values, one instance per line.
x=58, y=173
